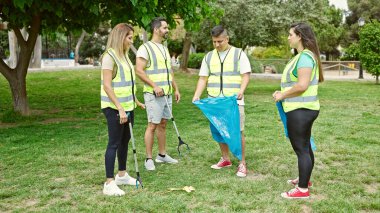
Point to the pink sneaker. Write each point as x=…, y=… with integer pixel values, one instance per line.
x=294, y=182
x=242, y=170
x=221, y=164
x=295, y=194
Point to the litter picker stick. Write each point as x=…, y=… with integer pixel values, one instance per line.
x=138, y=178
x=180, y=142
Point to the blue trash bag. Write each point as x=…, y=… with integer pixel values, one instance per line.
x=282, y=114
x=224, y=117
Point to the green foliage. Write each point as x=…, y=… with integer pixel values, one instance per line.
x=61, y=153
x=95, y=44
x=73, y=15
x=370, y=47
x=272, y=52
x=264, y=23
x=329, y=30
x=175, y=46
x=55, y=15
x=366, y=9
x=4, y=44
x=54, y=45
x=351, y=53
x=202, y=37
x=256, y=66
x=195, y=60
x=192, y=11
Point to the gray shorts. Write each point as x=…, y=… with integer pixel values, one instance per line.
x=156, y=108
x=242, y=117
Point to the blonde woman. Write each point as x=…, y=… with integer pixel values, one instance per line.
x=118, y=102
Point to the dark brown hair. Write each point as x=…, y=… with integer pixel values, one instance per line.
x=156, y=23
x=218, y=30
x=309, y=41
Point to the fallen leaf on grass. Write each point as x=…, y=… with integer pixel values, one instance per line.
x=186, y=188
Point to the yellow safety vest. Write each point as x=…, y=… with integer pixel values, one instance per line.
x=159, y=68
x=224, y=76
x=309, y=98
x=123, y=84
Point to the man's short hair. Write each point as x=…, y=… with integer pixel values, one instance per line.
x=156, y=23
x=218, y=30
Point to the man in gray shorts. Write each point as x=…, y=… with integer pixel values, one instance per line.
x=225, y=71
x=153, y=67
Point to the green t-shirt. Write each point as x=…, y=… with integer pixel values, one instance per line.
x=305, y=61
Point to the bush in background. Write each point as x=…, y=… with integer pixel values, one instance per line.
x=256, y=66
x=195, y=60
x=351, y=53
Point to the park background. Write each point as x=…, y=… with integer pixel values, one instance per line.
x=53, y=135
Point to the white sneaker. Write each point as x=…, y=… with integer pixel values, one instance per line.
x=166, y=159
x=125, y=180
x=112, y=189
x=149, y=165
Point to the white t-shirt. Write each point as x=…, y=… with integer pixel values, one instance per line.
x=245, y=67
x=107, y=62
x=142, y=52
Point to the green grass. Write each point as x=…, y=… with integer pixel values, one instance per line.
x=53, y=161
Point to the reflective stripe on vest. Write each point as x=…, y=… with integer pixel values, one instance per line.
x=309, y=98
x=224, y=76
x=121, y=84
x=159, y=69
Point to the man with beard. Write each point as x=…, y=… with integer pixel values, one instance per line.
x=154, y=69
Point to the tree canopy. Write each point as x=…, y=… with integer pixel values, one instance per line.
x=263, y=23
x=70, y=15
x=370, y=48
x=366, y=9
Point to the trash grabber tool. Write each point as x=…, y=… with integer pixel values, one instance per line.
x=138, y=178
x=180, y=142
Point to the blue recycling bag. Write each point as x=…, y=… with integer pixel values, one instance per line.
x=224, y=117
x=283, y=119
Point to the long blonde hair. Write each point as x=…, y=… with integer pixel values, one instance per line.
x=117, y=36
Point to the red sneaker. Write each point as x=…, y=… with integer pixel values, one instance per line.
x=242, y=170
x=295, y=183
x=221, y=164
x=295, y=194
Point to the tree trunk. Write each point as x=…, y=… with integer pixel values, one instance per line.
x=19, y=95
x=377, y=79
x=185, y=52
x=80, y=40
x=144, y=36
x=17, y=77
x=13, y=46
x=36, y=60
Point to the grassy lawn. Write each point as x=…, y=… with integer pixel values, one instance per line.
x=53, y=161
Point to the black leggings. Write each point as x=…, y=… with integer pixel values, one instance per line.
x=118, y=139
x=299, y=123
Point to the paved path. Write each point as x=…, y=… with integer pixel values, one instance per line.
x=329, y=75
x=52, y=69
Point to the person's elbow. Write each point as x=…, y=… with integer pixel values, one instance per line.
x=302, y=87
x=107, y=88
x=139, y=71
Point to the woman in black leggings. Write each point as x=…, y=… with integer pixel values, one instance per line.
x=299, y=97
x=118, y=101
